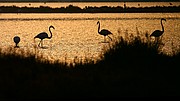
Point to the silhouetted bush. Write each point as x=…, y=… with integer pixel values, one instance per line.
x=127, y=68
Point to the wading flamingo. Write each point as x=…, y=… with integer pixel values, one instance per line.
x=158, y=33
x=104, y=32
x=44, y=35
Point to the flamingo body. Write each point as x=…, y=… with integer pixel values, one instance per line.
x=157, y=33
x=42, y=35
x=105, y=32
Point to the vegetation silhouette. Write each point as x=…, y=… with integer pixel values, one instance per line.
x=44, y=35
x=16, y=40
x=90, y=9
x=104, y=32
x=128, y=68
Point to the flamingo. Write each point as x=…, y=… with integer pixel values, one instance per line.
x=44, y=35
x=16, y=41
x=158, y=33
x=104, y=32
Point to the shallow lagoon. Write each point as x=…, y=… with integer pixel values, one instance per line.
x=76, y=35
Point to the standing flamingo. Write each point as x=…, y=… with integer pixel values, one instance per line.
x=104, y=32
x=44, y=35
x=158, y=33
x=16, y=41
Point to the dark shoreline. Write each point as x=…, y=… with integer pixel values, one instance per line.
x=90, y=1
x=90, y=9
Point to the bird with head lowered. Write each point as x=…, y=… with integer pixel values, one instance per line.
x=16, y=41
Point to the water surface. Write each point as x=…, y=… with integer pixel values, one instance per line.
x=76, y=35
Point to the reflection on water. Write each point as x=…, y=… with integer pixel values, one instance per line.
x=76, y=35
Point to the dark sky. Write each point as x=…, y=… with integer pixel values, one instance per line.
x=93, y=0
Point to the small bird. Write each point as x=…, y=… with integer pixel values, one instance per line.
x=104, y=32
x=158, y=33
x=44, y=35
x=16, y=41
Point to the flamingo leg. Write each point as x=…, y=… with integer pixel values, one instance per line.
x=161, y=38
x=39, y=43
x=158, y=40
x=110, y=37
x=104, y=38
x=16, y=45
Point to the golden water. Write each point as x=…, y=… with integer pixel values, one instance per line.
x=76, y=35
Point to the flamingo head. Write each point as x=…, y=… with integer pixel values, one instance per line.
x=98, y=22
x=163, y=19
x=52, y=27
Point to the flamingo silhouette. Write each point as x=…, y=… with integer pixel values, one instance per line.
x=16, y=41
x=104, y=32
x=158, y=33
x=44, y=35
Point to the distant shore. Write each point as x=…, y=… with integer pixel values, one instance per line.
x=90, y=9
x=92, y=1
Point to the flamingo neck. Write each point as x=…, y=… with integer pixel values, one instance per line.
x=162, y=26
x=50, y=33
x=99, y=28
